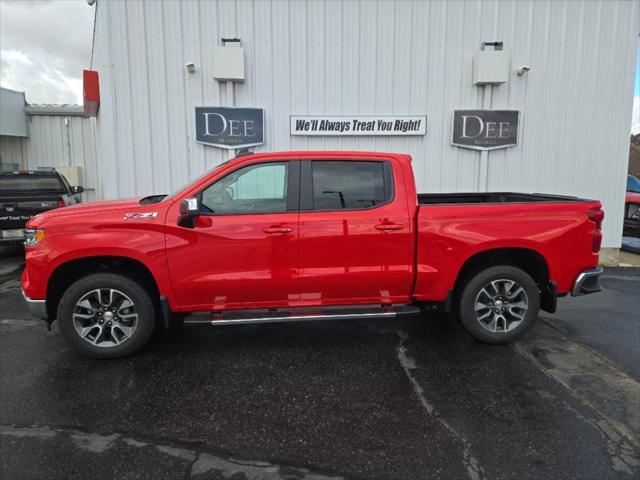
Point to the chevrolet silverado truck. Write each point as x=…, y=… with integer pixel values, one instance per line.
x=295, y=236
x=26, y=193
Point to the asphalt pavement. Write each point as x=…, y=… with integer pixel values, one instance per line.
x=381, y=399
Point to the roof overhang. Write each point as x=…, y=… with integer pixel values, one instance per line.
x=13, y=121
x=55, y=110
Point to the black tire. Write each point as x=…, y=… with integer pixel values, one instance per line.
x=144, y=308
x=472, y=292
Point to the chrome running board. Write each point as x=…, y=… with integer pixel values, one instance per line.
x=302, y=315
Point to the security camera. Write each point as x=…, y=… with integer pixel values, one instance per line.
x=523, y=69
x=191, y=67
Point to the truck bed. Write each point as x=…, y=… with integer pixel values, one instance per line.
x=492, y=197
x=453, y=227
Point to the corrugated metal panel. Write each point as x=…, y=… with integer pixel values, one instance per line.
x=375, y=57
x=52, y=143
x=13, y=150
x=13, y=121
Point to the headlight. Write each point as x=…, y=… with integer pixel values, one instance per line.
x=33, y=236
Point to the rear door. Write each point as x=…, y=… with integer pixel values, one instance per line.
x=355, y=244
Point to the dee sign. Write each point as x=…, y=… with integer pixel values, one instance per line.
x=485, y=129
x=230, y=128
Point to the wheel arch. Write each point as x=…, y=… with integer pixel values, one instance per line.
x=531, y=261
x=70, y=271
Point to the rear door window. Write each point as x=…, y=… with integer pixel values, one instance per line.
x=350, y=185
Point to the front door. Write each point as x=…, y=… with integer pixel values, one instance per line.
x=243, y=249
x=355, y=233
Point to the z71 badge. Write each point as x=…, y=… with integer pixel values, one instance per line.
x=140, y=216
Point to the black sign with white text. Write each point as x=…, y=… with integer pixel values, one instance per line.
x=231, y=128
x=485, y=129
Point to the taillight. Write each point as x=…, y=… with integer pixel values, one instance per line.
x=596, y=241
x=596, y=216
x=60, y=203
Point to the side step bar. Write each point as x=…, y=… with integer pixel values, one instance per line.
x=301, y=315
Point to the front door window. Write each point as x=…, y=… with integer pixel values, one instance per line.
x=258, y=188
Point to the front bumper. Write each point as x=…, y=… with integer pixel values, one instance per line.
x=12, y=235
x=587, y=282
x=37, y=308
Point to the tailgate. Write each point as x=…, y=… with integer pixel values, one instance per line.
x=15, y=212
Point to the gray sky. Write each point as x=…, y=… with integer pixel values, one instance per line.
x=44, y=46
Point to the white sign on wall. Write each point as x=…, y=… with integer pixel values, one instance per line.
x=346, y=125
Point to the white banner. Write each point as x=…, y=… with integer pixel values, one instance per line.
x=346, y=125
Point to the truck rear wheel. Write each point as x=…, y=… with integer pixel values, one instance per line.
x=106, y=315
x=499, y=304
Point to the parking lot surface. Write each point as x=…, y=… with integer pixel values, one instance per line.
x=381, y=399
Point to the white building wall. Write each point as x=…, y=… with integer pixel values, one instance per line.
x=374, y=57
x=13, y=151
x=56, y=140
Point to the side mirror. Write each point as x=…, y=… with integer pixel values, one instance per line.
x=77, y=189
x=189, y=207
x=189, y=210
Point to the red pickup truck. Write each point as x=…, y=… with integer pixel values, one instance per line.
x=293, y=236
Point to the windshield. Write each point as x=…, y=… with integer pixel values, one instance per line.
x=182, y=187
x=31, y=183
x=633, y=184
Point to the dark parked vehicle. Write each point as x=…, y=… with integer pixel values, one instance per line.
x=24, y=194
x=632, y=208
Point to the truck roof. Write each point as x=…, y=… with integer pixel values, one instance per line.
x=352, y=154
x=31, y=172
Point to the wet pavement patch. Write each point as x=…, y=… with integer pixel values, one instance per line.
x=161, y=461
x=364, y=400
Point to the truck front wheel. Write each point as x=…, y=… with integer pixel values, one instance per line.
x=106, y=315
x=499, y=304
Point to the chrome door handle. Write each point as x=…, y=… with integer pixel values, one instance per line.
x=385, y=227
x=277, y=229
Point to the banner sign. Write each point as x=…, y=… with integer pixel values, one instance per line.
x=230, y=128
x=345, y=125
x=485, y=129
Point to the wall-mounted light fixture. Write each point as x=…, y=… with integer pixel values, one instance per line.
x=522, y=70
x=490, y=66
x=191, y=67
x=228, y=61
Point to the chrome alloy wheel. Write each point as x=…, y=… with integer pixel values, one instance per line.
x=105, y=317
x=501, y=305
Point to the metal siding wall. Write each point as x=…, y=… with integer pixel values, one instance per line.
x=51, y=143
x=374, y=57
x=13, y=150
